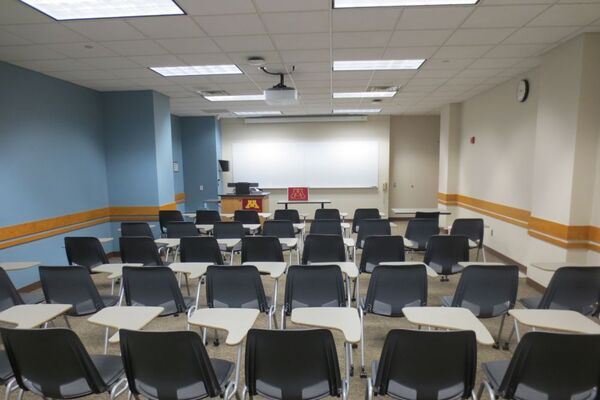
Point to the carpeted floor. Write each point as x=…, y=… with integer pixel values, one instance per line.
x=376, y=327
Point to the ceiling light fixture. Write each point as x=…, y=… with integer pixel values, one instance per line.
x=398, y=3
x=92, y=9
x=362, y=95
x=357, y=111
x=241, y=97
x=377, y=65
x=189, y=70
x=255, y=113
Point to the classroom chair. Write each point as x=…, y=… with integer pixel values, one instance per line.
x=248, y=217
x=261, y=248
x=570, y=288
x=7, y=377
x=200, y=249
x=391, y=288
x=287, y=215
x=282, y=229
x=207, y=217
x=546, y=366
x=323, y=248
x=181, y=229
x=136, y=229
x=299, y=365
x=363, y=213
x=9, y=296
x=229, y=230
x=378, y=249
x=85, y=251
x=428, y=215
x=166, y=216
x=371, y=227
x=488, y=291
x=172, y=365
x=326, y=227
x=445, y=252
x=53, y=363
x=142, y=250
x=73, y=285
x=419, y=231
x=416, y=365
x=312, y=286
x=327, y=213
x=473, y=228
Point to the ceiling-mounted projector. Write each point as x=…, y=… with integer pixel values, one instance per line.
x=280, y=94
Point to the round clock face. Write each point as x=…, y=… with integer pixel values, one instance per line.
x=523, y=90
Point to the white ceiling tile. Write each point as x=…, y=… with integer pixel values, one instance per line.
x=433, y=17
x=166, y=60
x=293, y=56
x=419, y=38
x=233, y=24
x=244, y=43
x=365, y=19
x=106, y=29
x=179, y=26
x=64, y=64
x=241, y=58
x=83, y=50
x=399, y=53
x=495, y=63
x=297, y=22
x=479, y=36
x=109, y=62
x=29, y=52
x=216, y=7
x=15, y=12
x=514, y=2
x=462, y=51
x=455, y=63
x=529, y=35
x=352, y=75
x=516, y=50
x=436, y=73
x=189, y=45
x=568, y=15
x=135, y=47
x=291, y=5
x=503, y=16
x=45, y=33
x=478, y=73
x=83, y=75
x=8, y=39
x=301, y=41
x=395, y=75
x=133, y=73
x=372, y=53
x=360, y=39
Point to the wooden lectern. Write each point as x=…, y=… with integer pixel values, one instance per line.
x=256, y=201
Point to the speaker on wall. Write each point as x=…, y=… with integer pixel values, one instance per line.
x=224, y=164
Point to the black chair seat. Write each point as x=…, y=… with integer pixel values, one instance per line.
x=5, y=370
x=170, y=308
x=531, y=302
x=455, y=269
x=88, y=307
x=495, y=371
x=109, y=367
x=33, y=297
x=110, y=301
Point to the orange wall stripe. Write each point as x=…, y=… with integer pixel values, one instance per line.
x=179, y=197
x=169, y=206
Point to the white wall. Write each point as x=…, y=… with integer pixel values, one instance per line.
x=414, y=159
x=376, y=128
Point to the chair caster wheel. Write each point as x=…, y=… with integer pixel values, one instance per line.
x=352, y=370
x=505, y=347
x=363, y=372
x=216, y=342
x=354, y=345
x=496, y=345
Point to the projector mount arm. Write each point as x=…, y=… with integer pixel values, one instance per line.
x=280, y=74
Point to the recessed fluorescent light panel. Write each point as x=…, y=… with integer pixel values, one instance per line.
x=363, y=95
x=376, y=65
x=256, y=113
x=91, y=9
x=242, y=97
x=398, y=3
x=357, y=111
x=188, y=70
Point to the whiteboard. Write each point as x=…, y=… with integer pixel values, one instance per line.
x=339, y=164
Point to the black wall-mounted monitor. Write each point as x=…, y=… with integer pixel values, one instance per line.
x=224, y=165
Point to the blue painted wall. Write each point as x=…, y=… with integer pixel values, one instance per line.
x=200, y=137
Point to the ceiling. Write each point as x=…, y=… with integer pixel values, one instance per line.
x=469, y=49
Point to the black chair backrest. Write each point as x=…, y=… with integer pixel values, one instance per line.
x=235, y=287
x=166, y=364
x=313, y=286
x=323, y=248
x=326, y=227
x=166, y=216
x=71, y=285
x=261, y=248
x=139, y=250
x=420, y=230
x=279, y=228
x=136, y=229
x=573, y=288
x=488, y=291
x=85, y=251
x=292, y=364
x=372, y=227
x=200, y=249
x=181, y=229
x=207, y=217
x=9, y=296
x=287, y=215
x=52, y=363
x=393, y=287
x=470, y=227
x=553, y=366
x=378, y=249
x=427, y=365
x=246, y=217
x=364, y=213
x=446, y=251
x=428, y=215
x=327, y=213
x=153, y=287
x=228, y=230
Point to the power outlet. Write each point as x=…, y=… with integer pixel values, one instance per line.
x=201, y=187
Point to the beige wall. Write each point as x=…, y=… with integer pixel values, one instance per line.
x=414, y=159
x=347, y=200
